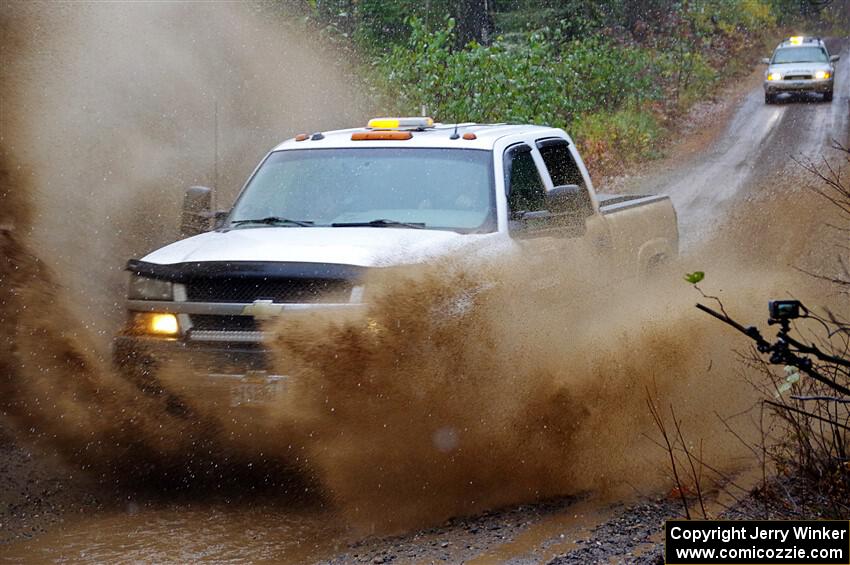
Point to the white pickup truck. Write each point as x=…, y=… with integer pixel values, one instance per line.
x=322, y=209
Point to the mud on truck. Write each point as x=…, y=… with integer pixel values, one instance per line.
x=323, y=209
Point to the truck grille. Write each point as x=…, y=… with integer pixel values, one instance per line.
x=798, y=77
x=204, y=322
x=246, y=290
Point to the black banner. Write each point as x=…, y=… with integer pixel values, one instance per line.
x=762, y=542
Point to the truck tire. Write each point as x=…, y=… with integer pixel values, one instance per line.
x=769, y=98
x=827, y=96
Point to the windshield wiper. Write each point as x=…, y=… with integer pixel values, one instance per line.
x=275, y=221
x=380, y=224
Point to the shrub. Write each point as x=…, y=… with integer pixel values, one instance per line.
x=598, y=86
x=532, y=80
x=610, y=140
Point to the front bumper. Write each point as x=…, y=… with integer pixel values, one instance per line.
x=208, y=374
x=220, y=351
x=780, y=86
x=218, y=366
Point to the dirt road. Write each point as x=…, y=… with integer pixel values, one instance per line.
x=755, y=147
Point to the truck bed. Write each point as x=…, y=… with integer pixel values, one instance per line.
x=642, y=229
x=610, y=203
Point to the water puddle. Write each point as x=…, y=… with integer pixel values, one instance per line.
x=181, y=534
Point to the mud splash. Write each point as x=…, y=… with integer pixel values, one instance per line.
x=116, y=108
x=108, y=112
x=464, y=387
x=467, y=386
x=52, y=383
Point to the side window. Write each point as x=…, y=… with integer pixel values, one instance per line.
x=560, y=163
x=526, y=192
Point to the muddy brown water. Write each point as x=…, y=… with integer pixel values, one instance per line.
x=254, y=533
x=261, y=532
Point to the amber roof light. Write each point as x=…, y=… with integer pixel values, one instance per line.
x=383, y=135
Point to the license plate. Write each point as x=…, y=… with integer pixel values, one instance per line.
x=254, y=391
x=799, y=83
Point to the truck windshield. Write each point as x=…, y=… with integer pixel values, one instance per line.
x=441, y=189
x=800, y=55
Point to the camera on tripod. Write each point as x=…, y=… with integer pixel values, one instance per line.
x=784, y=309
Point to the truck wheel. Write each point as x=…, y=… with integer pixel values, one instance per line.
x=769, y=98
x=827, y=96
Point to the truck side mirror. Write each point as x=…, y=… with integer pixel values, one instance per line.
x=197, y=205
x=834, y=58
x=569, y=201
x=567, y=208
x=765, y=61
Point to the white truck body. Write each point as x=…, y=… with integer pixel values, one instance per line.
x=633, y=232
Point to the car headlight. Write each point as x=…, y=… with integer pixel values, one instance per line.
x=821, y=75
x=144, y=288
x=774, y=76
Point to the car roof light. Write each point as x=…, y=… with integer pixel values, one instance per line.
x=796, y=40
x=400, y=123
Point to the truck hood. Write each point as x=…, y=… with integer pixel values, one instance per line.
x=365, y=247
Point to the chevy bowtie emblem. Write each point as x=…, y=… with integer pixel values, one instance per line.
x=263, y=309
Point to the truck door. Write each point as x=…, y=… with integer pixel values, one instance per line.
x=540, y=202
x=526, y=195
x=523, y=184
x=545, y=241
x=563, y=170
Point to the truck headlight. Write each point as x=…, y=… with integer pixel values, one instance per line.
x=164, y=324
x=154, y=323
x=774, y=76
x=143, y=288
x=822, y=75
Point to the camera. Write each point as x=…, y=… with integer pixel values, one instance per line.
x=784, y=309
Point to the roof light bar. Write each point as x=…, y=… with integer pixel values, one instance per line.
x=381, y=135
x=400, y=123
